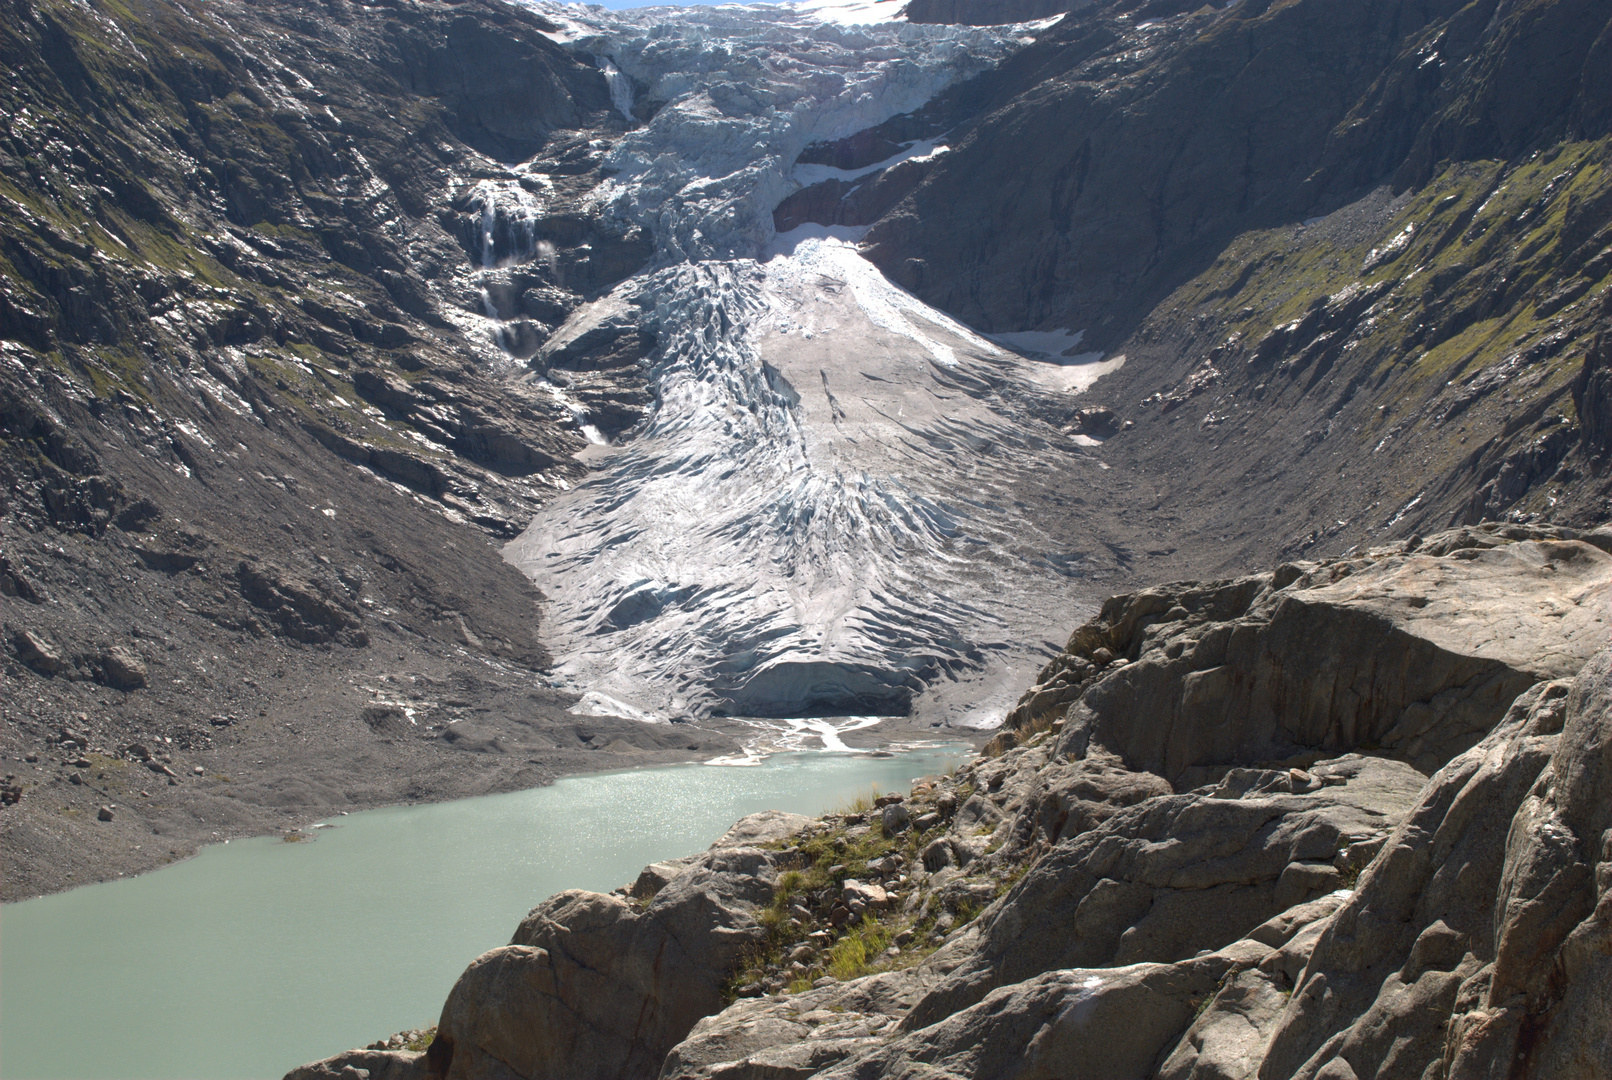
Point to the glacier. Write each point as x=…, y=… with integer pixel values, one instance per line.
x=820, y=523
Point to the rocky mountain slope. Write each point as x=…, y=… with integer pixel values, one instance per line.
x=1355, y=257
x=261, y=436
x=307, y=307
x=1195, y=856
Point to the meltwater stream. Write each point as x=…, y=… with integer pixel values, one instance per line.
x=259, y=955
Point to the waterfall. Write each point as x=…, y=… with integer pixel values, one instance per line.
x=620, y=87
x=506, y=217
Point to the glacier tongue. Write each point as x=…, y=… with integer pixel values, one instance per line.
x=819, y=517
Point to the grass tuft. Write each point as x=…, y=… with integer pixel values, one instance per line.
x=858, y=948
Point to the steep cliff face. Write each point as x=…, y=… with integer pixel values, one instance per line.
x=1159, y=139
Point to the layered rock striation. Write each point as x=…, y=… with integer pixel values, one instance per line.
x=1273, y=885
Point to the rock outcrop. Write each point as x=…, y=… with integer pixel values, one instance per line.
x=1147, y=881
x=1414, y=650
x=603, y=986
x=595, y=986
x=1487, y=954
x=1174, y=875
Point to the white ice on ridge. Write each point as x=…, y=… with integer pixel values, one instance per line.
x=746, y=88
x=853, y=12
x=1051, y=344
x=818, y=518
x=785, y=243
x=922, y=150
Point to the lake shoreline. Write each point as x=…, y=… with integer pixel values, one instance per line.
x=292, y=951
x=178, y=822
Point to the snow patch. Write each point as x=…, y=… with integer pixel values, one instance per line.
x=853, y=12
x=1051, y=344
x=1074, y=375
x=785, y=243
x=795, y=736
x=925, y=150
x=594, y=703
x=1055, y=365
x=566, y=30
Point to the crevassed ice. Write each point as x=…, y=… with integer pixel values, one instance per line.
x=819, y=517
x=746, y=88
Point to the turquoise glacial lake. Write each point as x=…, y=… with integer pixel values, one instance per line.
x=258, y=955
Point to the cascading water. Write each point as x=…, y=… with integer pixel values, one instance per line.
x=621, y=95
x=818, y=518
x=578, y=413
x=506, y=216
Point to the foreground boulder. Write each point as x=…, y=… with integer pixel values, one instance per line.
x=1175, y=875
x=1491, y=953
x=593, y=987
x=1416, y=651
x=599, y=986
x=1096, y=1022
x=1460, y=952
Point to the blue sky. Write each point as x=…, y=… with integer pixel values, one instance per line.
x=618, y=5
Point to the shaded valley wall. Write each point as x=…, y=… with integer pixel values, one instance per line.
x=1360, y=285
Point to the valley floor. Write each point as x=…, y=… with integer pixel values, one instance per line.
x=319, y=740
